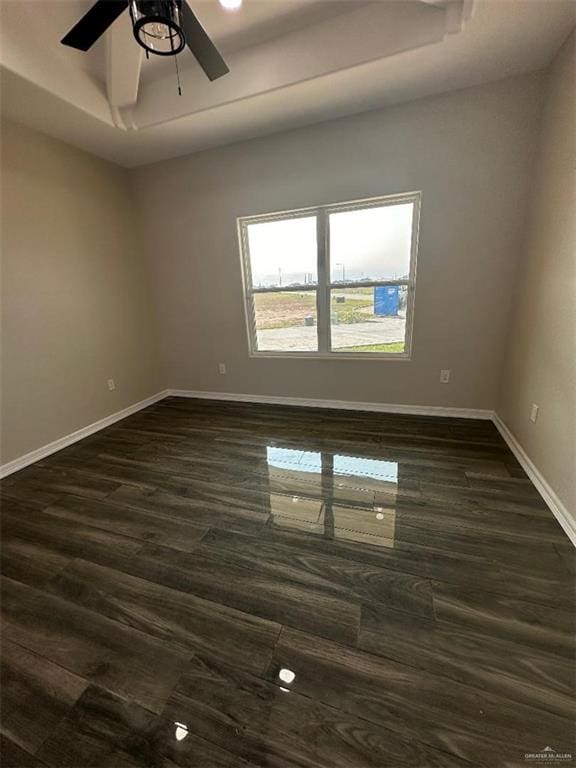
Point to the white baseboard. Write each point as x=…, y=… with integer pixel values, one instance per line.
x=347, y=405
x=74, y=437
x=560, y=512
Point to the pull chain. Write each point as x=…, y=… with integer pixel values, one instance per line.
x=178, y=75
x=176, y=63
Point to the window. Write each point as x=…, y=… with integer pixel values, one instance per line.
x=333, y=280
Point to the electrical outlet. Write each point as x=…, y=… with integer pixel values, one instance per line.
x=534, y=412
x=111, y=385
x=445, y=376
x=222, y=368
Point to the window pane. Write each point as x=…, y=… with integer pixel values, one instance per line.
x=283, y=252
x=286, y=321
x=371, y=244
x=369, y=319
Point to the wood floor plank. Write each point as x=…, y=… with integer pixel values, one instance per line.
x=339, y=576
x=508, y=618
x=171, y=616
x=199, y=512
x=29, y=561
x=67, y=538
x=135, y=523
x=13, y=756
x=517, y=672
x=447, y=548
x=36, y=480
x=479, y=523
x=36, y=695
x=89, y=644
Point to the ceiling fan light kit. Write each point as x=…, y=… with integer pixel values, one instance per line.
x=157, y=26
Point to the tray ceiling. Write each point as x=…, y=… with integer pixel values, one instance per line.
x=292, y=62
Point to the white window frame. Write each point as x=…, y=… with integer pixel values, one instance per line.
x=324, y=285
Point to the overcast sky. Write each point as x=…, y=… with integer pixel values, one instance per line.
x=371, y=243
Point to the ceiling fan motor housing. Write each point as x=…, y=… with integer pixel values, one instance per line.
x=157, y=26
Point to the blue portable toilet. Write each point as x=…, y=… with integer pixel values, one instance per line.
x=386, y=300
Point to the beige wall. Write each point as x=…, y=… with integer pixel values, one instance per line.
x=76, y=308
x=470, y=152
x=541, y=355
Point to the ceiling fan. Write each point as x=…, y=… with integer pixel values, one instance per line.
x=161, y=27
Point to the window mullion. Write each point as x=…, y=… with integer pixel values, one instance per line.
x=323, y=295
x=248, y=285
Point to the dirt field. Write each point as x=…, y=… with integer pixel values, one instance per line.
x=282, y=310
x=285, y=310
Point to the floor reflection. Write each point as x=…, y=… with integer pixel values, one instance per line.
x=286, y=675
x=333, y=495
x=181, y=731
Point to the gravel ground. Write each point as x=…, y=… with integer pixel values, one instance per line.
x=303, y=338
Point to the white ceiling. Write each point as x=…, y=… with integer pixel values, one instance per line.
x=292, y=63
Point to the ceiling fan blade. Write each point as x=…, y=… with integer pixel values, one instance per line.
x=201, y=46
x=94, y=23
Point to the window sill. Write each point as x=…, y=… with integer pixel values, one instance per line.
x=392, y=357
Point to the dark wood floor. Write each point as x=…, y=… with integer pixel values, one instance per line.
x=229, y=585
